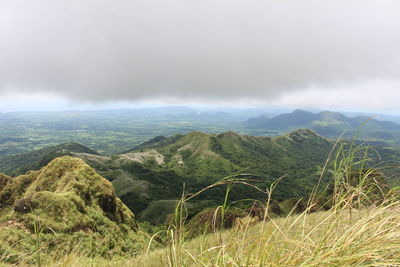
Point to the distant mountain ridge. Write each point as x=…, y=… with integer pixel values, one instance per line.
x=114, y=131
x=327, y=123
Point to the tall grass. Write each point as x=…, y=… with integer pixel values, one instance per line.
x=370, y=238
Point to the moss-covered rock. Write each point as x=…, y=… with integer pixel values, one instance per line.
x=69, y=198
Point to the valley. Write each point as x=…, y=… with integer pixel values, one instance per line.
x=114, y=131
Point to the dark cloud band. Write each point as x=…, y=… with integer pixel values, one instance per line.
x=225, y=49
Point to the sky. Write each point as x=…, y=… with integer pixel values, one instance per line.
x=332, y=54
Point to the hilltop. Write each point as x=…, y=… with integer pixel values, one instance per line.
x=70, y=206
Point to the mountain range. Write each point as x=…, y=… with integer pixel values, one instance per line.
x=155, y=173
x=326, y=123
x=111, y=132
x=151, y=177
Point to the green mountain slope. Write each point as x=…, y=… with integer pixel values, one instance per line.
x=199, y=159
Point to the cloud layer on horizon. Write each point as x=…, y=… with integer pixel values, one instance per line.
x=206, y=50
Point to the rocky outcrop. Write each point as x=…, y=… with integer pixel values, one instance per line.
x=71, y=206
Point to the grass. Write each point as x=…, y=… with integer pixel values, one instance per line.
x=361, y=229
x=370, y=237
x=367, y=236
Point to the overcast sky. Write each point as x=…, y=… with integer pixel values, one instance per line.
x=322, y=53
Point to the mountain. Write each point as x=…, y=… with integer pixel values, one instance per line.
x=205, y=157
x=71, y=206
x=378, y=116
x=160, y=168
x=326, y=123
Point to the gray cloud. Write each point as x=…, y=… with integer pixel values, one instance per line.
x=205, y=49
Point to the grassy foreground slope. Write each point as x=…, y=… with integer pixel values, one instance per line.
x=367, y=237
